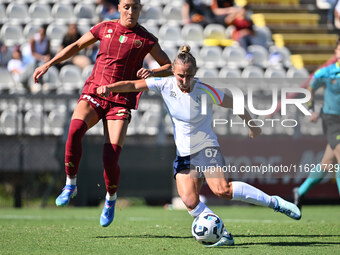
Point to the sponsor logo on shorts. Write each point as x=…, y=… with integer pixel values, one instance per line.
x=123, y=112
x=89, y=98
x=338, y=137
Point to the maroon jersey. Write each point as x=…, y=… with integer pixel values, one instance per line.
x=121, y=54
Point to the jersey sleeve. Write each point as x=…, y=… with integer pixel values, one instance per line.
x=97, y=31
x=156, y=84
x=318, y=79
x=214, y=95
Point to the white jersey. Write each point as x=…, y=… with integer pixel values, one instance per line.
x=192, y=129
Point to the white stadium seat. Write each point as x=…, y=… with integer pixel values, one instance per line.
x=235, y=56
x=203, y=72
x=33, y=121
x=12, y=34
x=214, y=31
x=274, y=73
x=297, y=73
x=71, y=79
x=63, y=13
x=252, y=72
x=17, y=13
x=55, y=32
x=212, y=56
x=3, y=16
x=40, y=13
x=259, y=55
x=173, y=14
x=284, y=54
x=6, y=80
x=193, y=34
x=170, y=35
x=30, y=29
x=51, y=80
x=171, y=52
x=152, y=15
x=9, y=121
x=85, y=13
x=229, y=72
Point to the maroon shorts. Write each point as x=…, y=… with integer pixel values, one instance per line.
x=106, y=109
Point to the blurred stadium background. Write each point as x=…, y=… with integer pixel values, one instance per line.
x=33, y=124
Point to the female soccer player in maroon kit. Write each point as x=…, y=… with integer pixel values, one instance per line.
x=123, y=46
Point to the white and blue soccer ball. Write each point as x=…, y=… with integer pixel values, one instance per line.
x=207, y=228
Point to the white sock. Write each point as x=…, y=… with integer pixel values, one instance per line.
x=249, y=194
x=111, y=197
x=200, y=208
x=71, y=181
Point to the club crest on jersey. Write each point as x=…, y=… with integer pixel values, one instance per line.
x=173, y=94
x=123, y=39
x=138, y=43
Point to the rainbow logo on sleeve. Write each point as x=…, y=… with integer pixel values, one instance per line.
x=212, y=93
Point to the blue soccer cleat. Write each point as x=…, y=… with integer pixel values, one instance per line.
x=69, y=191
x=287, y=208
x=226, y=240
x=108, y=213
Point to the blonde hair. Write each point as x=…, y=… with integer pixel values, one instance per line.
x=185, y=56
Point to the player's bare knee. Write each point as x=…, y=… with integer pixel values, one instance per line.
x=189, y=201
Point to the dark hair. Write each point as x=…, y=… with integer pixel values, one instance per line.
x=185, y=56
x=120, y=1
x=338, y=42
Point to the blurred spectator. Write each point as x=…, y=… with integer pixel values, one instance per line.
x=15, y=65
x=206, y=12
x=337, y=15
x=244, y=32
x=224, y=7
x=40, y=46
x=5, y=54
x=21, y=72
x=110, y=9
x=331, y=13
x=198, y=11
x=70, y=37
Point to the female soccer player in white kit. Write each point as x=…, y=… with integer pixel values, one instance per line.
x=196, y=142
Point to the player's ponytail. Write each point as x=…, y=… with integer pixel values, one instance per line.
x=185, y=56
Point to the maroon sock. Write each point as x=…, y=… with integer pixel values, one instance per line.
x=73, y=148
x=111, y=154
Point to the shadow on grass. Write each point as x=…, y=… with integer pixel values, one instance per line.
x=303, y=236
x=147, y=236
x=243, y=245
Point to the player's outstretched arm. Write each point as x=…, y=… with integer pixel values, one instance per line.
x=69, y=51
x=314, y=116
x=122, y=86
x=254, y=131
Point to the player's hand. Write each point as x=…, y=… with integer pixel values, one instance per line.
x=38, y=72
x=103, y=91
x=144, y=73
x=254, y=132
x=314, y=117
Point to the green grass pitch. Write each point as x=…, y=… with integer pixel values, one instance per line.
x=155, y=230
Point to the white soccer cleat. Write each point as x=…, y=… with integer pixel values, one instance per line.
x=227, y=239
x=287, y=208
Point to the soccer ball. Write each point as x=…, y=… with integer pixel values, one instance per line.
x=207, y=228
